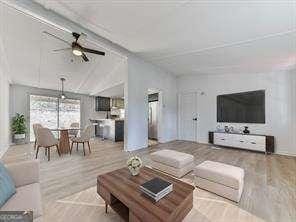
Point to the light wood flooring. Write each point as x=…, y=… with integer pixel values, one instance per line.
x=69, y=193
x=152, y=142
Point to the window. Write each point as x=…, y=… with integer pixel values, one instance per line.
x=69, y=112
x=52, y=112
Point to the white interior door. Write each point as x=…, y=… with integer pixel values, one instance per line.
x=188, y=116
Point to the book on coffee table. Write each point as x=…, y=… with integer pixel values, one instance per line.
x=156, y=188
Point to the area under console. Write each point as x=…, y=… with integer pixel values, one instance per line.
x=255, y=142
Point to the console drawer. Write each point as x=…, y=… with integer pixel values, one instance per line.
x=219, y=135
x=250, y=142
x=220, y=139
x=255, y=139
x=255, y=146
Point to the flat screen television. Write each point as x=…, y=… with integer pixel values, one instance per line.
x=245, y=107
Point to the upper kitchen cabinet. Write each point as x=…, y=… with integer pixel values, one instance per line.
x=118, y=103
x=102, y=103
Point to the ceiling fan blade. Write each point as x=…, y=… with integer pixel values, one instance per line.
x=56, y=37
x=83, y=35
x=93, y=51
x=84, y=57
x=57, y=50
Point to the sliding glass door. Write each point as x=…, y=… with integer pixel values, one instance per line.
x=43, y=110
x=69, y=112
x=52, y=112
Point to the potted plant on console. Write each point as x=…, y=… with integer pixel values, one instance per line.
x=19, y=128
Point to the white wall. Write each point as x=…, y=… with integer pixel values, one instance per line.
x=4, y=99
x=4, y=111
x=280, y=103
x=116, y=77
x=141, y=77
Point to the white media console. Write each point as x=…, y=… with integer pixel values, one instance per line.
x=261, y=143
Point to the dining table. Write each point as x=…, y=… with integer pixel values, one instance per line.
x=64, y=143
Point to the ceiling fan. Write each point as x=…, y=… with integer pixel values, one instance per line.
x=75, y=47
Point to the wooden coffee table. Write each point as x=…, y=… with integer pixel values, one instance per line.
x=121, y=192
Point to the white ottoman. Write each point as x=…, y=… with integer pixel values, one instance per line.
x=172, y=162
x=219, y=178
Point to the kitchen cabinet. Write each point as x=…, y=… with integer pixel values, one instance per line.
x=102, y=103
x=113, y=129
x=118, y=103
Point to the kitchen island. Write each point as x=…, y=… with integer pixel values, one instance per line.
x=112, y=129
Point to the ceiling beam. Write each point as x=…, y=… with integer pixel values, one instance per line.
x=49, y=17
x=200, y=51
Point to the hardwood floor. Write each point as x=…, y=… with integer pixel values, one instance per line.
x=68, y=182
x=152, y=142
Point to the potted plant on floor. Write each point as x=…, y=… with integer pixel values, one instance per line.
x=19, y=128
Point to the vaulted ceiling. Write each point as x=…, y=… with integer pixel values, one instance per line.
x=194, y=37
x=32, y=61
x=183, y=37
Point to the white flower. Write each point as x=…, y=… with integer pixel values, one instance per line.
x=134, y=162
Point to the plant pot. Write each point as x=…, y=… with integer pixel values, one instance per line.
x=19, y=136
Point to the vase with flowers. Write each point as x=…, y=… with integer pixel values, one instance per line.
x=134, y=164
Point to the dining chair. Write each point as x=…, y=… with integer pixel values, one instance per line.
x=73, y=132
x=46, y=139
x=83, y=138
x=35, y=127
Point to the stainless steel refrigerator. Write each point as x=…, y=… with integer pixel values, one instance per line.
x=153, y=120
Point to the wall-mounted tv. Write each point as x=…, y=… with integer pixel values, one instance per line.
x=245, y=107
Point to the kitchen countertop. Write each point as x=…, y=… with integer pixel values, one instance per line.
x=109, y=128
x=238, y=133
x=96, y=120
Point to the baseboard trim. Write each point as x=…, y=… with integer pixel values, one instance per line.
x=276, y=153
x=285, y=154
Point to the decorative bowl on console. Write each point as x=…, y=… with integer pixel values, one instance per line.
x=231, y=129
x=219, y=128
x=226, y=129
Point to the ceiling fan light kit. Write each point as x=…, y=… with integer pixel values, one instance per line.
x=63, y=96
x=77, y=52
